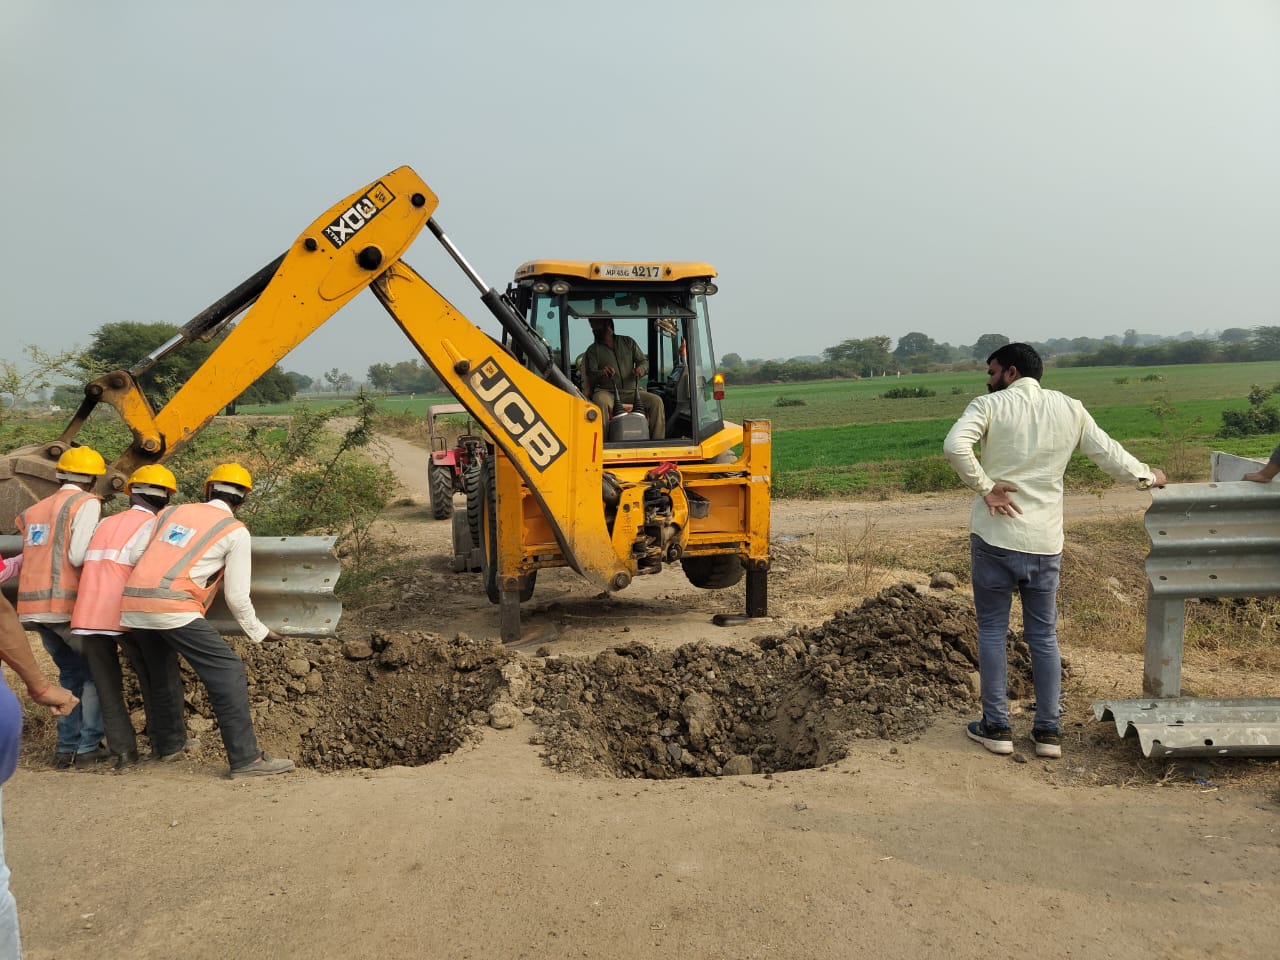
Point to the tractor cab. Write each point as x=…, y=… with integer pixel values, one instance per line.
x=661, y=306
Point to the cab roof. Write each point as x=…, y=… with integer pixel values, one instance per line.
x=626, y=270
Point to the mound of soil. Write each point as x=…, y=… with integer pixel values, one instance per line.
x=885, y=669
x=396, y=698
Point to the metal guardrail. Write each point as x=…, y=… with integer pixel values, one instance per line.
x=292, y=586
x=1216, y=539
x=1185, y=726
x=1207, y=540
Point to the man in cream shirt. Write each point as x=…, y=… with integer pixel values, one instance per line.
x=1027, y=435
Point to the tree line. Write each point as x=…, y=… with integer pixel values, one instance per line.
x=918, y=353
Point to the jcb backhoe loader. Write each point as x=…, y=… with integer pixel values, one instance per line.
x=555, y=493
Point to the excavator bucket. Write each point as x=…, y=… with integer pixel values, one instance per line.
x=26, y=475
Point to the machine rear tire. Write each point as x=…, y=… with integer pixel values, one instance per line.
x=440, y=480
x=713, y=573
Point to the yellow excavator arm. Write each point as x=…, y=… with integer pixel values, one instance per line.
x=544, y=426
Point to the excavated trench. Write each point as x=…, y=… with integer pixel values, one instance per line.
x=885, y=669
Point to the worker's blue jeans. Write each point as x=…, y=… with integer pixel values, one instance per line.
x=997, y=573
x=81, y=730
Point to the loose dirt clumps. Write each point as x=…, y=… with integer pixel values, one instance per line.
x=884, y=669
x=396, y=698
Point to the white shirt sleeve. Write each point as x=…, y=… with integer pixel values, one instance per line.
x=1111, y=458
x=238, y=562
x=82, y=524
x=958, y=447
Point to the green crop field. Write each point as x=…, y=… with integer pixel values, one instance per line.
x=842, y=437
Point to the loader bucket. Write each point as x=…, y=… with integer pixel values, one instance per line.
x=26, y=475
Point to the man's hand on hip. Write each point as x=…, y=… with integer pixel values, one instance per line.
x=998, y=501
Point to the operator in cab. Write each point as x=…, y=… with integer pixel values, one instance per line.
x=614, y=365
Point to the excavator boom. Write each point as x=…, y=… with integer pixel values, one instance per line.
x=602, y=524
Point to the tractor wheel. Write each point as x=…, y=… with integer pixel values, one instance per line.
x=440, y=480
x=715, y=572
x=472, y=479
x=461, y=544
x=489, y=540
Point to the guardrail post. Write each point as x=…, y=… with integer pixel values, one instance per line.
x=1162, y=669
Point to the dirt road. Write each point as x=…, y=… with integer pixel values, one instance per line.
x=904, y=849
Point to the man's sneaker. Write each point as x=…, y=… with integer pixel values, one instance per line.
x=264, y=766
x=63, y=760
x=996, y=739
x=1048, y=743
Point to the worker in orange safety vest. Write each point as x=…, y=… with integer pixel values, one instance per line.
x=55, y=534
x=195, y=548
x=96, y=620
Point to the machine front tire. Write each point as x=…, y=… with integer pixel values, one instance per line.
x=715, y=572
x=488, y=497
x=461, y=544
x=440, y=480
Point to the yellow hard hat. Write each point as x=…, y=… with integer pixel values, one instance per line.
x=153, y=475
x=229, y=473
x=84, y=461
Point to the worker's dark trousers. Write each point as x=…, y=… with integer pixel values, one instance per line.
x=99, y=651
x=160, y=678
x=167, y=730
x=223, y=675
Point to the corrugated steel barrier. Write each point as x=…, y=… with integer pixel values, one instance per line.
x=1217, y=539
x=292, y=586
x=1185, y=726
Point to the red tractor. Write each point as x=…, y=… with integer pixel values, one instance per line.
x=451, y=457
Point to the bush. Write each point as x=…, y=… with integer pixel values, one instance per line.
x=1257, y=419
x=1248, y=423
x=790, y=402
x=905, y=393
x=930, y=475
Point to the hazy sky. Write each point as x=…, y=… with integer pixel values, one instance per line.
x=1036, y=168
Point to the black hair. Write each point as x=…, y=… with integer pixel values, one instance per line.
x=230, y=499
x=1021, y=356
x=150, y=499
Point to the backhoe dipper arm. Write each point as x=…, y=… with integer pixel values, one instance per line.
x=335, y=258
x=552, y=436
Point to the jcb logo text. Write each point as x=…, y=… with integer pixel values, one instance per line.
x=517, y=416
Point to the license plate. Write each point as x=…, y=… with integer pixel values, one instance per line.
x=631, y=271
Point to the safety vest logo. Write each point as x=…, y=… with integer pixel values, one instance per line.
x=38, y=535
x=176, y=535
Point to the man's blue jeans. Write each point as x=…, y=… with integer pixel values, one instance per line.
x=997, y=573
x=81, y=730
x=10, y=943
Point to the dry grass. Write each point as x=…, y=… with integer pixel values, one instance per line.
x=1102, y=601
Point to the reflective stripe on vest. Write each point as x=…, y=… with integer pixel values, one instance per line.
x=106, y=570
x=48, y=581
x=161, y=582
